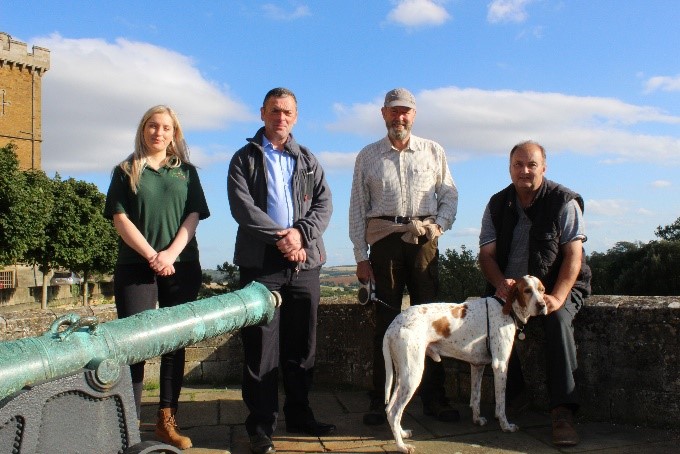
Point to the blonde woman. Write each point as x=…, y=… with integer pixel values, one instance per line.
x=156, y=201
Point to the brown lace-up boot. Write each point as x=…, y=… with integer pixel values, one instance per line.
x=563, y=431
x=166, y=429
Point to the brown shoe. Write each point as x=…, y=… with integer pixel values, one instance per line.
x=563, y=432
x=166, y=429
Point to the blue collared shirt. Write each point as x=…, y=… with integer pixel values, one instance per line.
x=280, y=167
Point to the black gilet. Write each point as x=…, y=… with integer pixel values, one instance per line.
x=545, y=257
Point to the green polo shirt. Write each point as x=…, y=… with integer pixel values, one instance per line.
x=164, y=199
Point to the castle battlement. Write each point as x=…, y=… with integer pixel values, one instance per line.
x=13, y=52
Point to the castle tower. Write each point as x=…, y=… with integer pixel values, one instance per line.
x=20, y=98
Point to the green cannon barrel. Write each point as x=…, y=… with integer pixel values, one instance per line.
x=73, y=342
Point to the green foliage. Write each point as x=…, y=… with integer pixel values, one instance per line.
x=25, y=204
x=339, y=291
x=232, y=275
x=669, y=232
x=607, y=267
x=459, y=275
x=227, y=285
x=98, y=241
x=637, y=269
x=78, y=237
x=53, y=223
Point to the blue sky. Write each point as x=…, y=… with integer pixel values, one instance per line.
x=596, y=82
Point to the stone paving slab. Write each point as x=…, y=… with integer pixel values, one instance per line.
x=213, y=418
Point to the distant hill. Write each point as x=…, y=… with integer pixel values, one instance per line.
x=335, y=280
x=340, y=275
x=339, y=270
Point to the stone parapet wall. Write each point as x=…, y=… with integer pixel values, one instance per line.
x=57, y=295
x=628, y=352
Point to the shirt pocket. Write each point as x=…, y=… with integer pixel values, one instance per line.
x=424, y=180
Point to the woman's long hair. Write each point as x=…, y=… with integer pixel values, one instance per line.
x=177, y=151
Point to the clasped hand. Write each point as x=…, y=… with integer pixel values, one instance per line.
x=290, y=245
x=162, y=263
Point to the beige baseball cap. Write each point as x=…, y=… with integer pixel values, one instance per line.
x=400, y=97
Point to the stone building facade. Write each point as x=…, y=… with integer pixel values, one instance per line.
x=20, y=98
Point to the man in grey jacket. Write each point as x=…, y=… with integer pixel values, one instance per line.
x=279, y=197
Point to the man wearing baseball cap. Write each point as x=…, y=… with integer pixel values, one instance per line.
x=403, y=198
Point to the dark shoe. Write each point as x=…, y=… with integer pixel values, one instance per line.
x=261, y=444
x=442, y=411
x=563, y=432
x=376, y=413
x=312, y=427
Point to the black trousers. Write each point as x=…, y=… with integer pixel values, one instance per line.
x=137, y=288
x=288, y=342
x=560, y=356
x=398, y=265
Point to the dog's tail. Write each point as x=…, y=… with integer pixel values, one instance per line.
x=389, y=369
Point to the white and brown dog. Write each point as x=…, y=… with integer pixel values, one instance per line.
x=479, y=332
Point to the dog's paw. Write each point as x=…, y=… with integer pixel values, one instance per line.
x=481, y=421
x=408, y=449
x=509, y=427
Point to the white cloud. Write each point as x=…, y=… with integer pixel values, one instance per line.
x=661, y=184
x=96, y=92
x=663, y=83
x=336, y=160
x=473, y=122
x=466, y=232
x=645, y=212
x=277, y=13
x=607, y=207
x=416, y=13
x=507, y=11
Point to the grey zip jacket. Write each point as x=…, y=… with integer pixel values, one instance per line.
x=247, y=191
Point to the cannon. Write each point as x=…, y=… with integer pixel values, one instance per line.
x=69, y=390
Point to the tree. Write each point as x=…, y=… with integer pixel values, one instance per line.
x=651, y=270
x=459, y=275
x=637, y=269
x=99, y=240
x=231, y=271
x=607, y=267
x=225, y=285
x=25, y=203
x=77, y=236
x=669, y=232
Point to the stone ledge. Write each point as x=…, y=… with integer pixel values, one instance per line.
x=628, y=351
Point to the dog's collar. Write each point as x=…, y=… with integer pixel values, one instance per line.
x=518, y=323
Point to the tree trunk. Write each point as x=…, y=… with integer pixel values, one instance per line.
x=85, y=289
x=43, y=300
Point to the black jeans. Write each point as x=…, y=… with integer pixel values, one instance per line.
x=137, y=288
x=288, y=342
x=398, y=265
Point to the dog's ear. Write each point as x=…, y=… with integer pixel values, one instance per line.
x=512, y=297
